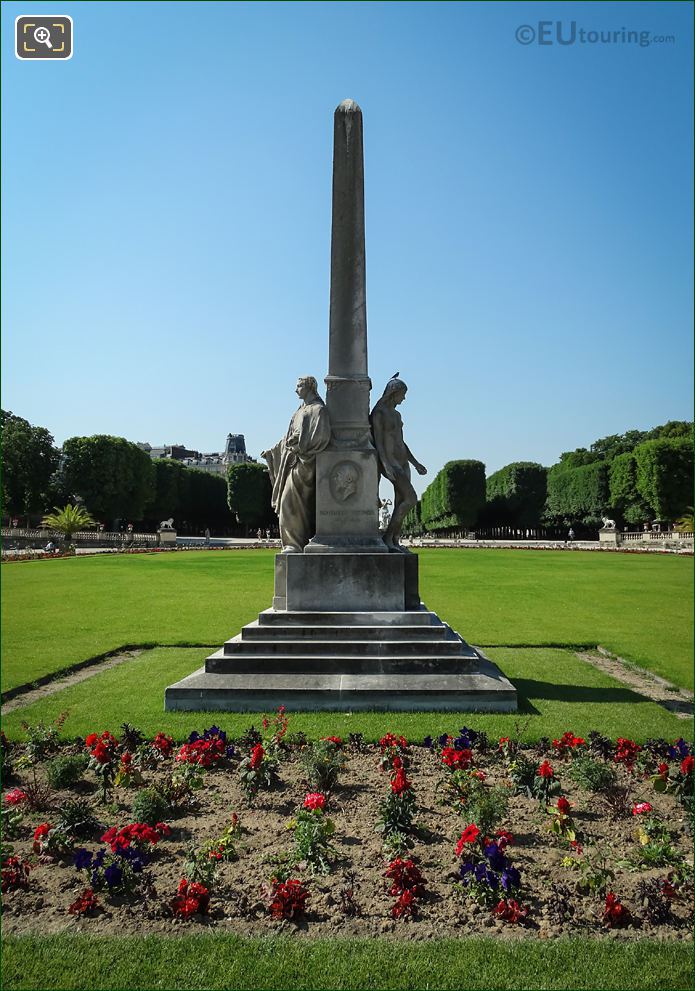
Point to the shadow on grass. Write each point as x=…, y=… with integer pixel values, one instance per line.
x=528, y=689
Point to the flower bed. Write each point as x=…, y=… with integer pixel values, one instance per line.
x=458, y=835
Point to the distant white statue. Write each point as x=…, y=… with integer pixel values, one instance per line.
x=608, y=524
x=167, y=524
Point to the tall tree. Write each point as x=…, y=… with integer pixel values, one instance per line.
x=454, y=497
x=113, y=476
x=248, y=494
x=29, y=458
x=516, y=494
x=665, y=475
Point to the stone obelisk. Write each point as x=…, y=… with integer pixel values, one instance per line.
x=347, y=479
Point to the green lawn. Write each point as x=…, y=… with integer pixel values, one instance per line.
x=58, y=613
x=557, y=691
x=221, y=962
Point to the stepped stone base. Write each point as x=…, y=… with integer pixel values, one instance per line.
x=347, y=632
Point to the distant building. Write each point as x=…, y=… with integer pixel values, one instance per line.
x=217, y=462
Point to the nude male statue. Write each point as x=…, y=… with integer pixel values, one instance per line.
x=395, y=457
x=292, y=467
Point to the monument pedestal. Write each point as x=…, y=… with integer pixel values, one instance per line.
x=346, y=582
x=347, y=632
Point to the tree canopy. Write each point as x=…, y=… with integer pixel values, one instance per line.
x=248, y=494
x=454, y=497
x=113, y=476
x=29, y=459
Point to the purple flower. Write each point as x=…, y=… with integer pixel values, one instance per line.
x=83, y=859
x=194, y=737
x=136, y=858
x=480, y=872
x=99, y=859
x=230, y=751
x=214, y=731
x=510, y=878
x=428, y=741
x=679, y=749
x=113, y=875
x=443, y=740
x=496, y=858
x=465, y=869
x=462, y=743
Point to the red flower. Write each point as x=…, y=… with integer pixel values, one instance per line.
x=288, y=899
x=315, y=801
x=137, y=834
x=626, y=752
x=15, y=874
x=615, y=913
x=191, y=898
x=15, y=797
x=400, y=783
x=257, y=755
x=642, y=808
x=390, y=742
x=404, y=876
x=87, y=902
x=510, y=910
x=504, y=838
x=334, y=739
x=662, y=770
x=456, y=758
x=667, y=889
x=563, y=806
x=545, y=770
x=469, y=835
x=687, y=765
x=164, y=744
x=102, y=748
x=39, y=833
x=405, y=906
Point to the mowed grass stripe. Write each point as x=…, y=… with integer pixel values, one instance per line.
x=58, y=613
x=557, y=691
x=219, y=962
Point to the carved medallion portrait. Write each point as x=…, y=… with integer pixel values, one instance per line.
x=345, y=480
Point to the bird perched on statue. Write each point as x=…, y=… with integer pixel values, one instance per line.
x=395, y=375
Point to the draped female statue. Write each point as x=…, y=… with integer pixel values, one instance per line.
x=292, y=466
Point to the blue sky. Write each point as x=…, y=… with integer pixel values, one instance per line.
x=167, y=197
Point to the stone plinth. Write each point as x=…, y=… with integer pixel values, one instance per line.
x=346, y=582
x=346, y=632
x=609, y=537
x=167, y=538
x=347, y=504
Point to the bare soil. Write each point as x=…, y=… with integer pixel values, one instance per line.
x=238, y=907
x=676, y=700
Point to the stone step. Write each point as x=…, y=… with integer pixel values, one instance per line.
x=289, y=664
x=411, y=617
x=351, y=648
x=483, y=689
x=256, y=632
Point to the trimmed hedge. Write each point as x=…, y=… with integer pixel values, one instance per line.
x=625, y=500
x=578, y=495
x=249, y=492
x=516, y=494
x=664, y=476
x=455, y=496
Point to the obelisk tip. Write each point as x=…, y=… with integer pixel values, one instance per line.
x=348, y=107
